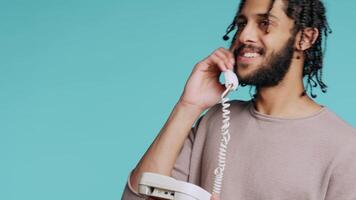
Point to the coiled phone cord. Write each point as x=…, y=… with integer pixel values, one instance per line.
x=225, y=138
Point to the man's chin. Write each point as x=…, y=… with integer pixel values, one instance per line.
x=245, y=74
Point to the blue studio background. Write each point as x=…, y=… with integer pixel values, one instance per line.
x=86, y=85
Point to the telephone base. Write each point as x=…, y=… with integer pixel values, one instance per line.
x=165, y=187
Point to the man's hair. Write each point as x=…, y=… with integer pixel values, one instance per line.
x=306, y=14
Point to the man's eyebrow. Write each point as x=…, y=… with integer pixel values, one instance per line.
x=241, y=17
x=260, y=15
x=266, y=15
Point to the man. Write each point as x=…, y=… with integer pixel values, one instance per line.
x=283, y=144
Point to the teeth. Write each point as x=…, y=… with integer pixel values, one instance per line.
x=250, y=55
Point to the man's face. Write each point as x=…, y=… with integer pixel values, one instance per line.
x=263, y=45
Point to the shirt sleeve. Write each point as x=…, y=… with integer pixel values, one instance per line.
x=342, y=184
x=180, y=170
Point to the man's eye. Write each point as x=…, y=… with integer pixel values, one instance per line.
x=240, y=24
x=264, y=23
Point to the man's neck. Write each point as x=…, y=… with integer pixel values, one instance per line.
x=285, y=100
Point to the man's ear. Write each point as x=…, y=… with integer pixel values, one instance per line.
x=306, y=38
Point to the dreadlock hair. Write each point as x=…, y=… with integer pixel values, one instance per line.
x=306, y=14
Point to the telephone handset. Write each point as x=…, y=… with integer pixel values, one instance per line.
x=231, y=80
x=165, y=187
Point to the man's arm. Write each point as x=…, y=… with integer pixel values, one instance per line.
x=201, y=91
x=163, y=152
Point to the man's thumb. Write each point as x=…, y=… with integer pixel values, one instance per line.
x=214, y=197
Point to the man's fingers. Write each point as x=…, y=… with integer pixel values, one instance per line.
x=221, y=53
x=214, y=197
x=228, y=53
x=220, y=58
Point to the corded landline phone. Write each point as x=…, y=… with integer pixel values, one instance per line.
x=165, y=187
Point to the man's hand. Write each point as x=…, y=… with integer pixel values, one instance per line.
x=203, y=88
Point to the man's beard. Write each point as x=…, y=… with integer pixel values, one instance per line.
x=271, y=73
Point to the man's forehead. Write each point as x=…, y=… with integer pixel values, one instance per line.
x=260, y=8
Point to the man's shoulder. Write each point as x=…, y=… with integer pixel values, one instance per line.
x=332, y=121
x=337, y=130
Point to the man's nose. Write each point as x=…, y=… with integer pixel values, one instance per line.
x=248, y=35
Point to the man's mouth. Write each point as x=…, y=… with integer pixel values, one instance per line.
x=248, y=54
x=248, y=57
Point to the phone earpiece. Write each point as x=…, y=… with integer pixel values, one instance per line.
x=231, y=79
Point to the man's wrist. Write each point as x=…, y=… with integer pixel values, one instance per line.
x=189, y=107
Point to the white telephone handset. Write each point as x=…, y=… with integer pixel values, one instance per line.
x=231, y=79
x=165, y=187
